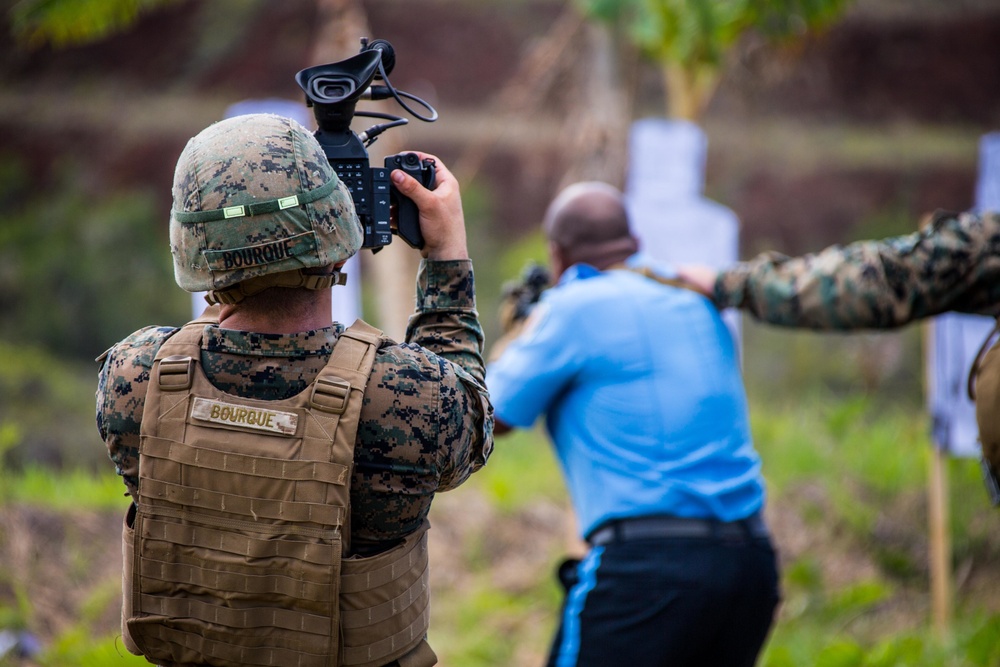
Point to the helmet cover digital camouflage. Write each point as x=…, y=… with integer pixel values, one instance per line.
x=254, y=195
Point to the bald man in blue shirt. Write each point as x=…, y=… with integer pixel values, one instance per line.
x=643, y=399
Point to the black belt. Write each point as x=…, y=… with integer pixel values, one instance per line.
x=647, y=527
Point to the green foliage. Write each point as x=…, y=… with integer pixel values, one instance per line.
x=697, y=33
x=68, y=490
x=35, y=385
x=529, y=249
x=984, y=643
x=864, y=472
x=492, y=268
x=80, y=645
x=975, y=643
x=521, y=471
x=783, y=364
x=80, y=272
x=694, y=32
x=10, y=436
x=15, y=616
x=63, y=23
x=79, y=648
x=859, y=597
x=479, y=634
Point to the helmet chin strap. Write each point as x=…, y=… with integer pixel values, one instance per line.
x=294, y=279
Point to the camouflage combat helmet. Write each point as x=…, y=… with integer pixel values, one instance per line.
x=255, y=202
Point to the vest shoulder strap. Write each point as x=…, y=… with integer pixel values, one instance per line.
x=977, y=363
x=340, y=387
x=354, y=344
x=186, y=341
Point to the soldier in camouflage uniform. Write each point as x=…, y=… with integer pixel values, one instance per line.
x=426, y=421
x=951, y=264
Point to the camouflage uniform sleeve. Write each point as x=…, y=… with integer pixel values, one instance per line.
x=952, y=265
x=121, y=394
x=446, y=322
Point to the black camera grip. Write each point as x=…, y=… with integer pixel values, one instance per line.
x=407, y=213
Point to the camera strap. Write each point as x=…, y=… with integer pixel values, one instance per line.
x=653, y=275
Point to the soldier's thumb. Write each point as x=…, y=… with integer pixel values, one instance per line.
x=407, y=185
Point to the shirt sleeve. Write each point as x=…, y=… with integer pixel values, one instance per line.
x=536, y=367
x=952, y=265
x=120, y=396
x=446, y=323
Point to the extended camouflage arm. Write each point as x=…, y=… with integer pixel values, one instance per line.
x=446, y=321
x=953, y=264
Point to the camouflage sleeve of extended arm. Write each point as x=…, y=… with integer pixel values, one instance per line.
x=952, y=265
x=121, y=393
x=446, y=322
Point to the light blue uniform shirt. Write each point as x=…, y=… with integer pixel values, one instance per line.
x=643, y=398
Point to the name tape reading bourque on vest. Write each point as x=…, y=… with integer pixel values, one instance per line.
x=260, y=419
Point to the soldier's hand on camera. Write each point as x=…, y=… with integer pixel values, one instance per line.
x=442, y=222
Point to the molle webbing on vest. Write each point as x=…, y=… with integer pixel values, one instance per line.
x=235, y=555
x=385, y=603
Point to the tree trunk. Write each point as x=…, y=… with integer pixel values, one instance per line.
x=688, y=89
x=597, y=131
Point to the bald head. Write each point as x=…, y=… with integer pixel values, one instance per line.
x=587, y=222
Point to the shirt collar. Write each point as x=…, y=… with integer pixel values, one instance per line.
x=250, y=343
x=579, y=271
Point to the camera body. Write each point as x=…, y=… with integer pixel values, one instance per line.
x=373, y=192
x=333, y=91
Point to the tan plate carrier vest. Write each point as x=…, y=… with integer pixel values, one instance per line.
x=235, y=554
x=984, y=389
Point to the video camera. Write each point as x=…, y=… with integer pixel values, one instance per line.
x=333, y=91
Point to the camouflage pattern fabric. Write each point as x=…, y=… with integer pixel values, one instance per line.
x=426, y=421
x=250, y=161
x=951, y=265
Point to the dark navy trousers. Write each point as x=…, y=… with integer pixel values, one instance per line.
x=705, y=602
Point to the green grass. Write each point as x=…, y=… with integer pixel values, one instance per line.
x=79, y=645
x=522, y=470
x=486, y=626
x=865, y=466
x=65, y=490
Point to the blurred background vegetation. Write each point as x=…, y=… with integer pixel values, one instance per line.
x=847, y=127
